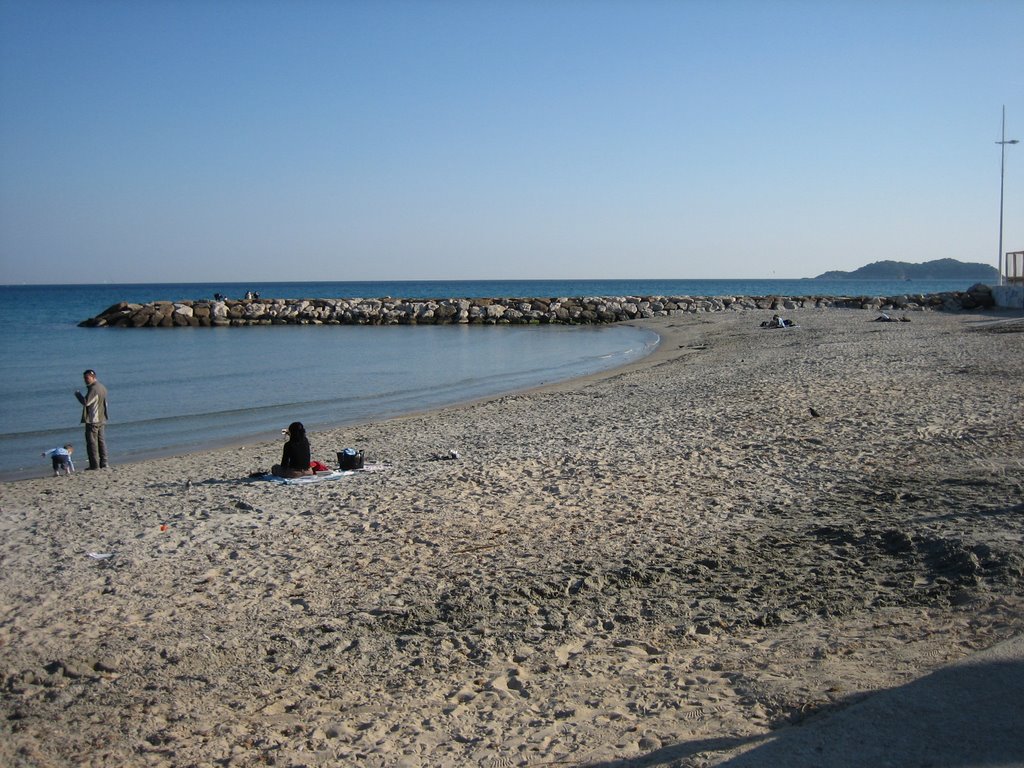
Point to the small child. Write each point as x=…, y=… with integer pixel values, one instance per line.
x=61, y=459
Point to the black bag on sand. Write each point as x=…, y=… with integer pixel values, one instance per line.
x=350, y=458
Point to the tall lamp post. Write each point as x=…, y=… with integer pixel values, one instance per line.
x=1002, y=174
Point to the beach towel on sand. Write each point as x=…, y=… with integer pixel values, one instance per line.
x=320, y=478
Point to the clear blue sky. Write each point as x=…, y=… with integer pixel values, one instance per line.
x=215, y=140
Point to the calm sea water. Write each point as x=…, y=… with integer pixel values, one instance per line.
x=178, y=390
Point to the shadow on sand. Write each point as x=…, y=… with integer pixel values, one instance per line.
x=967, y=714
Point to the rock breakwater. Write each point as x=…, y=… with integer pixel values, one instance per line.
x=491, y=311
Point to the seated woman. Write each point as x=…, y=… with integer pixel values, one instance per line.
x=777, y=322
x=295, y=458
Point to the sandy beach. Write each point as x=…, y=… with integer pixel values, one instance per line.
x=674, y=563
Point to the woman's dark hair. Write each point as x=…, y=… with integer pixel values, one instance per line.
x=296, y=430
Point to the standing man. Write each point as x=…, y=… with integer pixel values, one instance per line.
x=94, y=416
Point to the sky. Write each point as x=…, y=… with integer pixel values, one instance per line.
x=251, y=140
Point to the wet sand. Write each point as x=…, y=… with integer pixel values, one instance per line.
x=667, y=564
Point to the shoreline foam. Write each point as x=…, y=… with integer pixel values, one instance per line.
x=742, y=529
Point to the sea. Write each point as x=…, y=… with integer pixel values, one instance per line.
x=175, y=391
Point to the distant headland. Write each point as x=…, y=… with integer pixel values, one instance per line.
x=939, y=269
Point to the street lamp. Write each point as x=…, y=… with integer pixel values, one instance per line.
x=1002, y=173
